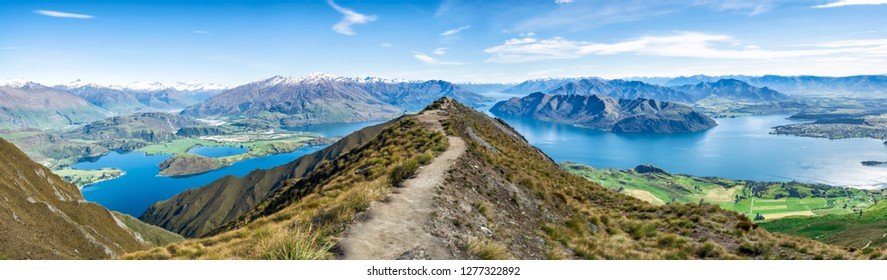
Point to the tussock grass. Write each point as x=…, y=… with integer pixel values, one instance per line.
x=486, y=249
x=295, y=244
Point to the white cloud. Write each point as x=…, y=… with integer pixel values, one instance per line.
x=430, y=60
x=350, y=17
x=455, y=31
x=200, y=32
x=582, y=15
x=62, y=14
x=439, y=51
x=561, y=2
x=683, y=44
x=386, y=45
x=842, y=3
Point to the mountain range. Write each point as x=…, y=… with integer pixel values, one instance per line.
x=730, y=89
x=872, y=86
x=28, y=104
x=606, y=113
x=143, y=96
x=323, y=98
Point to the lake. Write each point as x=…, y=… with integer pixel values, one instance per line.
x=738, y=148
x=140, y=187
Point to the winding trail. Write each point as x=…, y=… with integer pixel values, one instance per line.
x=395, y=229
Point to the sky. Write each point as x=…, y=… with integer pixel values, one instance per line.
x=235, y=42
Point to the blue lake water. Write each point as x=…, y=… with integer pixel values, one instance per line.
x=217, y=152
x=140, y=187
x=738, y=148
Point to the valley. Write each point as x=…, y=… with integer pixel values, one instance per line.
x=762, y=201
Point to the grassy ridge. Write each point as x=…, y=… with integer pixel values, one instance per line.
x=303, y=217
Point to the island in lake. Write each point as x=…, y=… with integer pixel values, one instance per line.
x=606, y=113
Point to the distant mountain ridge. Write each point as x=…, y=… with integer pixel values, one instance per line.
x=623, y=89
x=855, y=86
x=28, y=104
x=607, y=113
x=540, y=85
x=323, y=98
x=143, y=96
x=732, y=89
x=486, y=87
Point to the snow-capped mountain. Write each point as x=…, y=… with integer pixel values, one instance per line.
x=189, y=86
x=325, y=98
x=25, y=103
x=143, y=96
x=16, y=83
x=542, y=84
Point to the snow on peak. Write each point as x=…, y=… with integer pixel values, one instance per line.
x=318, y=77
x=198, y=86
x=142, y=86
x=14, y=83
x=78, y=84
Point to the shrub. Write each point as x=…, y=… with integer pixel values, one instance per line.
x=294, y=245
x=708, y=250
x=402, y=172
x=424, y=158
x=487, y=250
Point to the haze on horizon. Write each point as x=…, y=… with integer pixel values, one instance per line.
x=234, y=42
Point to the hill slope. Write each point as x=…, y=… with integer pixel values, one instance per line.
x=133, y=131
x=197, y=211
x=502, y=198
x=44, y=217
x=607, y=113
x=26, y=104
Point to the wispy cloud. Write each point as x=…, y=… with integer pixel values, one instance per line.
x=9, y=48
x=682, y=44
x=350, y=17
x=431, y=60
x=842, y=3
x=440, y=51
x=564, y=1
x=454, y=31
x=62, y=14
x=386, y=45
x=581, y=15
x=200, y=32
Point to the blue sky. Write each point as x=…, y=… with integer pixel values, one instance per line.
x=233, y=42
